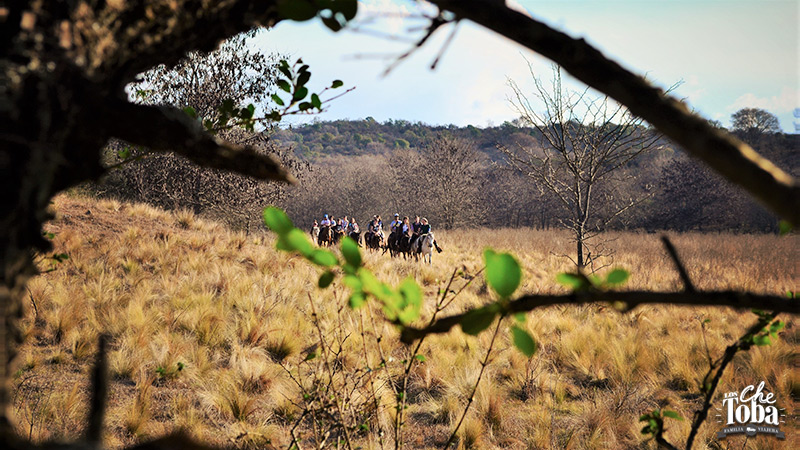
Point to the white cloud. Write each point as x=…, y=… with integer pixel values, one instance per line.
x=785, y=102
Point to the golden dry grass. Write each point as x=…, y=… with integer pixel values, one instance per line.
x=210, y=329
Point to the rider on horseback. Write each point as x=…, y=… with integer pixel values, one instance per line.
x=424, y=229
x=325, y=221
x=395, y=223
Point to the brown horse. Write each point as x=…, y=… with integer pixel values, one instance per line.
x=399, y=243
x=325, y=238
x=356, y=237
x=373, y=241
x=338, y=234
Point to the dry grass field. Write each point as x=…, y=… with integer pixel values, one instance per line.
x=211, y=332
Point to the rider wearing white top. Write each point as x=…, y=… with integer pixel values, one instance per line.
x=325, y=222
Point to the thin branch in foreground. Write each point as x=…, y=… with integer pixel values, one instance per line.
x=435, y=24
x=688, y=286
x=630, y=300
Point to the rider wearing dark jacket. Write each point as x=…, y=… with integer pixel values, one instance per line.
x=424, y=229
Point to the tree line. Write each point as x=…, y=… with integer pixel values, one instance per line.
x=453, y=178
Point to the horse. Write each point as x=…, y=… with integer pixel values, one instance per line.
x=315, y=234
x=325, y=236
x=338, y=234
x=356, y=237
x=373, y=241
x=391, y=243
x=399, y=243
x=425, y=243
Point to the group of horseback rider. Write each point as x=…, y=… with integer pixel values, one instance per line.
x=404, y=235
x=329, y=230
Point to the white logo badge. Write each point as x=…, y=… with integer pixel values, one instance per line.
x=751, y=412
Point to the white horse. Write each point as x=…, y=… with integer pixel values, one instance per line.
x=315, y=234
x=426, y=247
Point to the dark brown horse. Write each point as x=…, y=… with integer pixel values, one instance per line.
x=356, y=237
x=325, y=238
x=338, y=234
x=373, y=241
x=399, y=243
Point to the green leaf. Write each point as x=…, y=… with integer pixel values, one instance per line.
x=300, y=93
x=411, y=292
x=304, y=106
x=337, y=84
x=190, y=112
x=303, y=78
x=322, y=257
x=284, y=85
x=60, y=257
x=502, y=272
x=411, y=301
x=316, y=101
x=326, y=279
x=477, y=320
x=277, y=220
x=575, y=281
x=523, y=341
x=310, y=356
x=332, y=23
x=776, y=326
x=357, y=300
x=353, y=282
x=761, y=340
x=299, y=10
x=351, y=253
x=420, y=358
x=520, y=317
x=297, y=240
x=617, y=276
x=785, y=227
x=671, y=414
x=227, y=106
x=370, y=283
x=348, y=8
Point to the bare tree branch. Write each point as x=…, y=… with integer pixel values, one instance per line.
x=630, y=300
x=168, y=129
x=688, y=286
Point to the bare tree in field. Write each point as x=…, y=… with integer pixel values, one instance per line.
x=585, y=143
x=448, y=182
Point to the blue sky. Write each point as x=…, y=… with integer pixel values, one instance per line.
x=729, y=54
